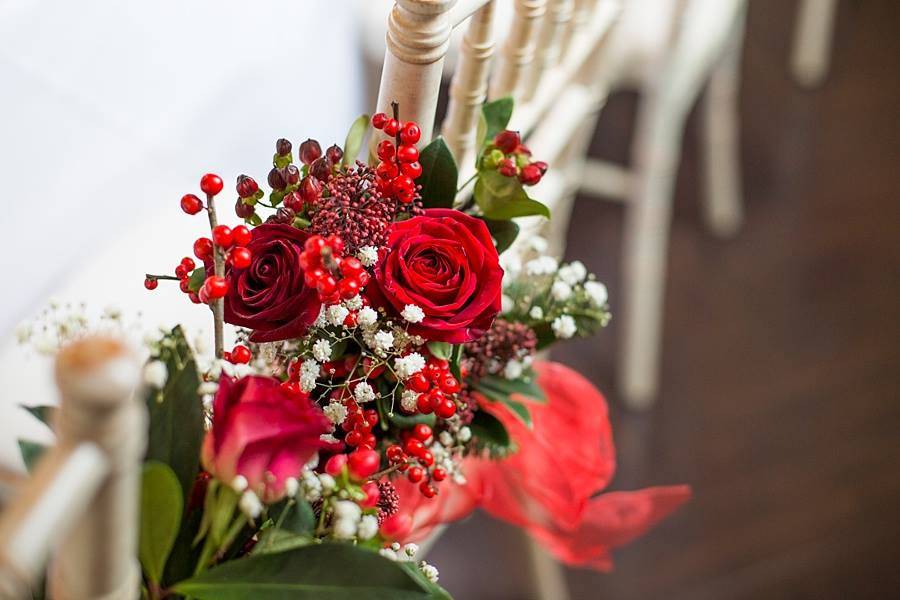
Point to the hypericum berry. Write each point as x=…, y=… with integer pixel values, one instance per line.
x=541, y=165
x=180, y=272
x=320, y=169
x=310, y=189
x=530, y=175
x=242, y=210
x=246, y=186
x=507, y=141
x=422, y=432
x=334, y=154
x=411, y=169
x=194, y=297
x=410, y=133
x=363, y=463
x=335, y=464
x=407, y=153
x=294, y=201
x=351, y=267
x=151, y=283
x=292, y=174
x=428, y=490
x=191, y=204
x=386, y=170
x=211, y=184
x=348, y=288
x=222, y=236
x=427, y=458
x=310, y=150
x=391, y=127
x=215, y=286
x=185, y=285
x=203, y=248
x=239, y=257
x=423, y=404
x=241, y=235
x=276, y=179
x=378, y=120
x=507, y=167
x=414, y=446
x=385, y=150
x=314, y=244
x=395, y=453
x=283, y=147
x=240, y=355
x=415, y=474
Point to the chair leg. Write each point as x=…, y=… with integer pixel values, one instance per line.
x=811, y=50
x=723, y=206
x=547, y=574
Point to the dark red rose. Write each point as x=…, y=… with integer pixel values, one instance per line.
x=444, y=262
x=270, y=296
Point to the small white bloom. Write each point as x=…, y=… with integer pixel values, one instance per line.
x=542, y=265
x=310, y=367
x=368, y=256
x=291, y=487
x=536, y=313
x=322, y=319
x=307, y=382
x=564, y=326
x=321, y=350
x=429, y=571
x=354, y=303
x=328, y=438
x=312, y=487
x=538, y=244
x=512, y=265
x=363, y=392
x=409, y=365
x=388, y=554
x=573, y=273
x=250, y=504
x=384, y=340
x=345, y=509
x=368, y=527
x=561, y=291
x=337, y=314
x=413, y=313
x=506, y=303
x=597, y=293
x=327, y=482
x=464, y=435
x=408, y=400
x=336, y=412
x=367, y=316
x=411, y=550
x=395, y=546
x=156, y=374
x=239, y=483
x=512, y=370
x=46, y=344
x=344, y=529
x=23, y=332
x=445, y=438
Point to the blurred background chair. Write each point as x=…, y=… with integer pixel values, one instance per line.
x=811, y=52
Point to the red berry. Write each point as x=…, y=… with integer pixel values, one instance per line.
x=414, y=446
x=449, y=384
x=427, y=489
x=416, y=474
x=241, y=355
x=541, y=165
x=211, y=184
x=191, y=204
x=151, y=283
x=395, y=453
x=350, y=267
x=351, y=320
x=240, y=257
x=336, y=464
x=396, y=527
x=294, y=201
x=385, y=150
x=436, y=396
x=314, y=244
x=310, y=151
x=363, y=463
x=407, y=153
x=241, y=235
x=215, y=286
x=370, y=489
x=418, y=382
x=185, y=285
x=411, y=169
x=378, y=120
x=368, y=442
x=226, y=356
x=203, y=248
x=439, y=474
x=386, y=170
x=336, y=244
x=194, y=297
x=391, y=127
x=203, y=295
x=353, y=438
x=427, y=458
x=410, y=133
x=310, y=190
x=188, y=263
x=222, y=236
x=348, y=288
x=422, y=432
x=180, y=271
x=507, y=141
x=445, y=409
x=507, y=167
x=423, y=404
x=327, y=286
x=530, y=174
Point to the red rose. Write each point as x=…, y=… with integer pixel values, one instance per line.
x=263, y=432
x=270, y=296
x=445, y=263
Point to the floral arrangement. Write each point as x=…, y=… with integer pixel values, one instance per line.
x=384, y=381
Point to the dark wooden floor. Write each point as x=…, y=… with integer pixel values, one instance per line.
x=781, y=370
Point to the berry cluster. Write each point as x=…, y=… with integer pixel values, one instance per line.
x=511, y=158
x=239, y=355
x=358, y=425
x=435, y=384
x=399, y=165
x=415, y=459
x=333, y=275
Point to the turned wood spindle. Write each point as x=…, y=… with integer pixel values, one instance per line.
x=518, y=51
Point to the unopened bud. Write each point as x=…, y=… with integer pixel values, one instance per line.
x=276, y=179
x=310, y=151
x=310, y=190
x=334, y=154
x=244, y=211
x=320, y=169
x=291, y=174
x=246, y=186
x=294, y=201
x=283, y=147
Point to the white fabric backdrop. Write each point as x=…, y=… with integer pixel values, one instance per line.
x=109, y=112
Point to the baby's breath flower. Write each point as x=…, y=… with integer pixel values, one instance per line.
x=409, y=365
x=564, y=326
x=363, y=392
x=413, y=313
x=336, y=412
x=384, y=340
x=337, y=314
x=561, y=291
x=367, y=316
x=368, y=256
x=156, y=374
x=596, y=292
x=321, y=350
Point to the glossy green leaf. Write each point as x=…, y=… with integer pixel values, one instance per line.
x=518, y=409
x=490, y=434
x=496, y=117
x=43, y=413
x=198, y=276
x=439, y=175
x=273, y=541
x=31, y=453
x=298, y=518
x=503, y=198
x=503, y=232
x=526, y=386
x=329, y=571
x=354, y=141
x=442, y=350
x=161, y=507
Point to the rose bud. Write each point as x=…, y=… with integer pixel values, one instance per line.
x=246, y=186
x=283, y=147
x=507, y=141
x=310, y=151
x=266, y=456
x=292, y=174
x=320, y=169
x=310, y=190
x=244, y=211
x=294, y=201
x=276, y=179
x=334, y=154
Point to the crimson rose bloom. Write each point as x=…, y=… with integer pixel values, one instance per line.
x=270, y=296
x=262, y=431
x=445, y=263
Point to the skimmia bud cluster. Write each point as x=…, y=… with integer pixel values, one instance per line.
x=511, y=158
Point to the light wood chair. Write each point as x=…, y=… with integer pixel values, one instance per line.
x=811, y=52
x=79, y=509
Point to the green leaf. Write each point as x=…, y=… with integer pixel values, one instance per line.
x=176, y=412
x=161, y=507
x=408, y=421
x=31, y=453
x=299, y=517
x=526, y=386
x=455, y=360
x=273, y=541
x=490, y=434
x=502, y=198
x=518, y=409
x=354, y=140
x=43, y=413
x=496, y=117
x=329, y=571
x=503, y=232
x=198, y=276
x=439, y=175
x=441, y=350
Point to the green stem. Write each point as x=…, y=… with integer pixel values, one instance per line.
x=467, y=182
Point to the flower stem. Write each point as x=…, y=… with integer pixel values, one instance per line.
x=467, y=182
x=168, y=277
x=218, y=305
